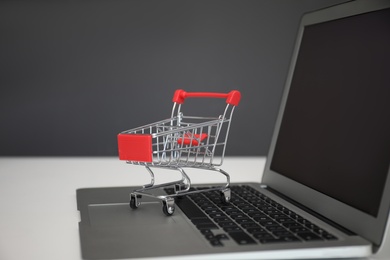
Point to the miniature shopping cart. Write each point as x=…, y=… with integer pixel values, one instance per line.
x=179, y=142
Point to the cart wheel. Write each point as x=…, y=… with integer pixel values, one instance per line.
x=168, y=207
x=134, y=203
x=225, y=196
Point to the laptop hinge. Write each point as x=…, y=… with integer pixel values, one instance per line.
x=312, y=212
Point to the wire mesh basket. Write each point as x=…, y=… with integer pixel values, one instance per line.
x=179, y=142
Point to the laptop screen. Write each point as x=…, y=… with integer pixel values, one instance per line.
x=334, y=135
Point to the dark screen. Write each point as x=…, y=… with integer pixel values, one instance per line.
x=335, y=131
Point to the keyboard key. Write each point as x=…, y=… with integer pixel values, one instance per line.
x=215, y=242
x=213, y=211
x=262, y=218
x=282, y=233
x=206, y=231
x=217, y=215
x=311, y=226
x=222, y=237
x=262, y=235
x=328, y=236
x=242, y=238
x=267, y=223
x=244, y=220
x=290, y=224
x=284, y=220
x=221, y=219
x=233, y=229
x=256, y=230
x=275, y=228
x=300, y=229
x=227, y=224
x=308, y=236
x=208, y=207
x=238, y=215
x=209, y=236
x=228, y=208
x=250, y=210
x=250, y=225
x=257, y=214
x=233, y=211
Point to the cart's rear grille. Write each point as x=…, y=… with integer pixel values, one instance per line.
x=250, y=218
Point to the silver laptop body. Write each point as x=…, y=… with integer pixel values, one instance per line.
x=328, y=160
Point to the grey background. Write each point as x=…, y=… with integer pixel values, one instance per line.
x=76, y=73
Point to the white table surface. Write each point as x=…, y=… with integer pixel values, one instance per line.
x=38, y=213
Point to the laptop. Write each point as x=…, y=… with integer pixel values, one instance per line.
x=325, y=191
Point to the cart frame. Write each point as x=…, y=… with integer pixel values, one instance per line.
x=180, y=142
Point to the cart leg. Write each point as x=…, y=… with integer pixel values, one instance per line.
x=226, y=175
x=134, y=202
x=146, y=186
x=225, y=195
x=168, y=206
x=185, y=183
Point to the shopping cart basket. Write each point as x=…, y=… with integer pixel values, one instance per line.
x=179, y=142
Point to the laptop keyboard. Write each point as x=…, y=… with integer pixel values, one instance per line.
x=249, y=218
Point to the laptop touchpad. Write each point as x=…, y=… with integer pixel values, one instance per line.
x=120, y=214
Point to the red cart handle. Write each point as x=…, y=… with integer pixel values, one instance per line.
x=232, y=98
